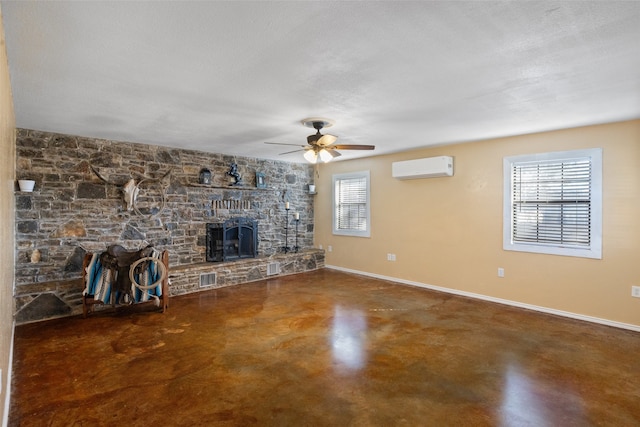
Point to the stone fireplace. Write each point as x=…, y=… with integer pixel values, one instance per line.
x=56, y=225
x=232, y=239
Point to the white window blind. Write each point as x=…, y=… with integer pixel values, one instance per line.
x=553, y=203
x=351, y=204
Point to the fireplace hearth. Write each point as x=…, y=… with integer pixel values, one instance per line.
x=233, y=239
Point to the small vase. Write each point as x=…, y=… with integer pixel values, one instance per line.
x=36, y=256
x=26, y=185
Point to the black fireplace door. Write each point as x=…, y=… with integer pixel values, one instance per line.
x=235, y=238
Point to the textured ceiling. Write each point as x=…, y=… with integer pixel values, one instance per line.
x=226, y=76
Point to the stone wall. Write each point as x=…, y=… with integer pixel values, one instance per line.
x=72, y=211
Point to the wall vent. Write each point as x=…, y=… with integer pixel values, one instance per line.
x=207, y=279
x=273, y=268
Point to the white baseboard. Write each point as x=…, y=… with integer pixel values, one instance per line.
x=591, y=319
x=9, y=374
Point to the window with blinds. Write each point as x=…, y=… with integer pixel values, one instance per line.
x=351, y=204
x=554, y=203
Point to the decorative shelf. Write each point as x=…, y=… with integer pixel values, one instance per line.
x=232, y=187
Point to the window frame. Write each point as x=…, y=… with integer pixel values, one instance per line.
x=346, y=176
x=594, y=250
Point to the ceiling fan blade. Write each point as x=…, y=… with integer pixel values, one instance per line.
x=282, y=143
x=289, y=152
x=333, y=152
x=354, y=147
x=326, y=140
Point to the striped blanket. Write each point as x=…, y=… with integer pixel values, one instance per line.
x=98, y=281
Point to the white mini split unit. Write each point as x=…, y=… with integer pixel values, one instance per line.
x=430, y=167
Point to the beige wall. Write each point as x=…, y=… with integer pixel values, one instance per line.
x=7, y=183
x=447, y=232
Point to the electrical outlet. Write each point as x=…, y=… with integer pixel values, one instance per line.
x=500, y=272
x=329, y=248
x=635, y=291
x=391, y=257
x=319, y=246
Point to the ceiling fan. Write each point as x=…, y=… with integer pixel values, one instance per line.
x=322, y=147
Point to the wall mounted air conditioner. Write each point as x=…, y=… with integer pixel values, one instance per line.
x=430, y=167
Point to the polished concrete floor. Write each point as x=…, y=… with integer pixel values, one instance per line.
x=325, y=349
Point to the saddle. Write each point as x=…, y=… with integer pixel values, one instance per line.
x=119, y=260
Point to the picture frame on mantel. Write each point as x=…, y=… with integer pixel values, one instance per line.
x=261, y=181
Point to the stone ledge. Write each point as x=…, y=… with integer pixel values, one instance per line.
x=186, y=278
x=257, y=260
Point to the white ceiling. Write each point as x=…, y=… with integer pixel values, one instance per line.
x=226, y=76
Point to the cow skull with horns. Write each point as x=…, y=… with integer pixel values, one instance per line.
x=131, y=188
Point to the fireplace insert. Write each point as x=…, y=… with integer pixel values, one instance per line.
x=233, y=239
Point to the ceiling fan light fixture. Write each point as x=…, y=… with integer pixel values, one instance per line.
x=325, y=156
x=311, y=156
